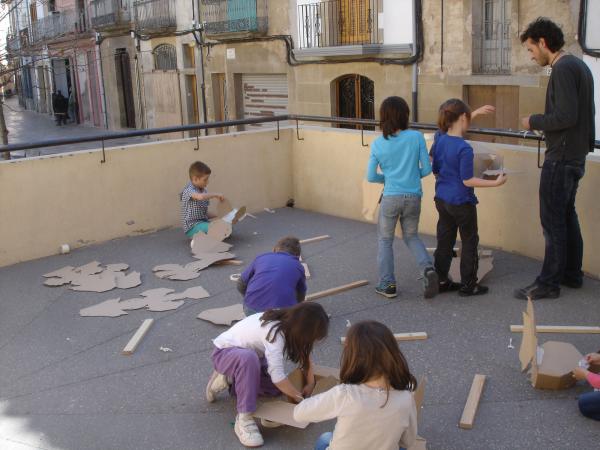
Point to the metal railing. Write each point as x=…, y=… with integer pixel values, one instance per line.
x=56, y=24
x=336, y=23
x=13, y=45
x=491, y=39
x=110, y=13
x=155, y=15
x=235, y=16
x=526, y=135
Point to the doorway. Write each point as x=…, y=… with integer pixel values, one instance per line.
x=125, y=88
x=355, y=98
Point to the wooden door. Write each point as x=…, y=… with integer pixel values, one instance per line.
x=219, y=96
x=123, y=69
x=506, y=101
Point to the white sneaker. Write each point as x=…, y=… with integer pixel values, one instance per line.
x=247, y=431
x=217, y=383
x=270, y=424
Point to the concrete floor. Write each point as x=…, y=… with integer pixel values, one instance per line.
x=65, y=385
x=25, y=126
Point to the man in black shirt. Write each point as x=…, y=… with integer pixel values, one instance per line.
x=568, y=125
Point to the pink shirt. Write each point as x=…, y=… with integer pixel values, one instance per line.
x=594, y=379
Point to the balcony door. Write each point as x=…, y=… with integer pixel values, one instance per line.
x=355, y=21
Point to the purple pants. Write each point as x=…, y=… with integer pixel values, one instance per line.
x=249, y=375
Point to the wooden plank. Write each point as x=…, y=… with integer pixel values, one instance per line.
x=337, y=290
x=404, y=337
x=558, y=329
x=137, y=337
x=468, y=416
x=306, y=271
x=229, y=262
x=315, y=239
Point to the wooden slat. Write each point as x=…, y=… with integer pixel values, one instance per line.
x=306, y=271
x=137, y=337
x=558, y=329
x=404, y=337
x=336, y=290
x=315, y=239
x=468, y=416
x=229, y=262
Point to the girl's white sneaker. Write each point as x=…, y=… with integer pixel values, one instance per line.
x=247, y=431
x=217, y=383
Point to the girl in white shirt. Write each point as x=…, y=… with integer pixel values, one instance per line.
x=373, y=404
x=249, y=360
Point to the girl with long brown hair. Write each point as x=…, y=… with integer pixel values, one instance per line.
x=249, y=360
x=373, y=404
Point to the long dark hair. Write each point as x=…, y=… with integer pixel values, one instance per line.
x=393, y=115
x=300, y=326
x=370, y=352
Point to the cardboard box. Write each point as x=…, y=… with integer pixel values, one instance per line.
x=551, y=364
x=487, y=162
x=326, y=377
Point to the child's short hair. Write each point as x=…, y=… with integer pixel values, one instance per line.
x=393, y=115
x=450, y=112
x=544, y=28
x=289, y=244
x=370, y=352
x=199, y=169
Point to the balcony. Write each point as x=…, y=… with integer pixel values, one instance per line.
x=107, y=14
x=155, y=15
x=342, y=28
x=55, y=25
x=13, y=44
x=226, y=17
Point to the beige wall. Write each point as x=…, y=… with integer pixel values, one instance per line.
x=73, y=199
x=329, y=167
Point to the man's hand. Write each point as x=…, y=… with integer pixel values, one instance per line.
x=593, y=358
x=525, y=123
x=483, y=111
x=579, y=373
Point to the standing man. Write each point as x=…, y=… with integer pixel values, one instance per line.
x=568, y=124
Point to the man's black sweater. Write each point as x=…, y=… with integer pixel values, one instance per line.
x=568, y=121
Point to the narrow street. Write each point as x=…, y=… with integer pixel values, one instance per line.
x=28, y=126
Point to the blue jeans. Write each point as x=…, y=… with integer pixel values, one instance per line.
x=407, y=209
x=589, y=405
x=564, y=245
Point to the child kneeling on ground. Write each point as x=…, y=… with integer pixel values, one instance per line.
x=249, y=360
x=401, y=154
x=374, y=404
x=455, y=199
x=589, y=403
x=195, y=200
x=275, y=279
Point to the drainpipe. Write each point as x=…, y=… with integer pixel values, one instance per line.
x=415, y=68
x=98, y=46
x=200, y=43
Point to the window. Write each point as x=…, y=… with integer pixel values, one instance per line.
x=165, y=57
x=491, y=36
x=189, y=57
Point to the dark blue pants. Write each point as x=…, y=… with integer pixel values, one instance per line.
x=589, y=405
x=564, y=244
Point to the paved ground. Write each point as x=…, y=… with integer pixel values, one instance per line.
x=65, y=385
x=26, y=126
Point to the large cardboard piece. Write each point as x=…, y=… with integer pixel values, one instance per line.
x=550, y=365
x=224, y=316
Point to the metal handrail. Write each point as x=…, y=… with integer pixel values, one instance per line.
x=527, y=135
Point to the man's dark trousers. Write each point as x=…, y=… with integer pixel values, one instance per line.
x=564, y=245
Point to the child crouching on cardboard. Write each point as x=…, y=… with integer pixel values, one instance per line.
x=249, y=360
x=589, y=403
x=275, y=279
x=374, y=405
x=195, y=200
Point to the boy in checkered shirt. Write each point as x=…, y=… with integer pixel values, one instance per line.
x=195, y=200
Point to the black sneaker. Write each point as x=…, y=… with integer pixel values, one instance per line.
x=388, y=291
x=537, y=292
x=449, y=286
x=431, y=283
x=475, y=289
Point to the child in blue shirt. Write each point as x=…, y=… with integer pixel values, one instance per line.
x=275, y=279
x=401, y=154
x=195, y=200
x=455, y=199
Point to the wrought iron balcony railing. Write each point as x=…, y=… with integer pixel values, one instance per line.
x=338, y=22
x=110, y=13
x=56, y=25
x=155, y=15
x=13, y=44
x=235, y=16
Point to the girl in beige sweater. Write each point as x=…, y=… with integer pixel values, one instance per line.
x=373, y=404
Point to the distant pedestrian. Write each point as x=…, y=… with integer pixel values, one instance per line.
x=60, y=105
x=568, y=124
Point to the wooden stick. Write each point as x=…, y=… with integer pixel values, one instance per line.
x=468, y=416
x=558, y=329
x=404, y=337
x=315, y=239
x=229, y=262
x=137, y=337
x=306, y=271
x=336, y=290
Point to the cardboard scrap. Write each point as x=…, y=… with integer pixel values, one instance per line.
x=128, y=281
x=223, y=316
x=92, y=277
x=157, y=300
x=219, y=230
x=202, y=243
x=191, y=270
x=550, y=365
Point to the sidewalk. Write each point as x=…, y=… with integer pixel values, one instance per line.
x=28, y=126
